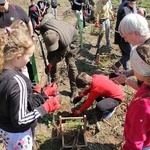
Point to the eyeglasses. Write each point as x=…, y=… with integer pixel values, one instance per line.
x=2, y=4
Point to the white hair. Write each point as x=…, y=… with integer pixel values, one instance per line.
x=133, y=23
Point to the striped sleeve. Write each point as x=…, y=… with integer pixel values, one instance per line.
x=18, y=103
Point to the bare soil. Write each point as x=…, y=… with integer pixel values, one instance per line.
x=110, y=135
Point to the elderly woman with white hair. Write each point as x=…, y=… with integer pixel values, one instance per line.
x=134, y=29
x=124, y=46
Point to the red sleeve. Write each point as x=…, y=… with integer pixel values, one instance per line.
x=91, y=97
x=137, y=126
x=85, y=92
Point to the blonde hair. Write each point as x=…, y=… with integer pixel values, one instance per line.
x=14, y=40
x=133, y=23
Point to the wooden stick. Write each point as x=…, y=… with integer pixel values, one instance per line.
x=67, y=118
x=106, y=122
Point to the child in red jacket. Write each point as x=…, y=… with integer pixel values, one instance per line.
x=137, y=120
x=100, y=88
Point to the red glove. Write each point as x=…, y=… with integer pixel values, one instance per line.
x=76, y=113
x=48, y=68
x=112, y=17
x=97, y=24
x=37, y=26
x=36, y=88
x=50, y=89
x=84, y=12
x=52, y=104
x=77, y=99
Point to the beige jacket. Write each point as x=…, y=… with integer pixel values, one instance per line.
x=102, y=10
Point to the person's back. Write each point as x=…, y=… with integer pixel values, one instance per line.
x=122, y=4
x=54, y=7
x=54, y=3
x=65, y=30
x=102, y=14
x=43, y=6
x=101, y=89
x=77, y=4
x=14, y=13
x=102, y=10
x=102, y=86
x=61, y=42
x=34, y=13
x=125, y=10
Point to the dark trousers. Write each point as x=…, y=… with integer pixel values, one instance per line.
x=106, y=105
x=71, y=68
x=124, y=60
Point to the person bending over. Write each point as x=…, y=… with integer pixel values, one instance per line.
x=100, y=88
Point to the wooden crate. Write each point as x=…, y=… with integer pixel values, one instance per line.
x=73, y=136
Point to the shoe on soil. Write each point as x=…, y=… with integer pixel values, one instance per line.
x=108, y=115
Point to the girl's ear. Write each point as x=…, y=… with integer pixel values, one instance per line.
x=18, y=56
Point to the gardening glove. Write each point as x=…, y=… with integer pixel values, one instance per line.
x=52, y=104
x=97, y=25
x=36, y=88
x=84, y=12
x=48, y=69
x=50, y=89
x=77, y=99
x=76, y=113
x=112, y=17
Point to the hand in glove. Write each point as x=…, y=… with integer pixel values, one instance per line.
x=97, y=24
x=112, y=17
x=48, y=68
x=76, y=113
x=36, y=88
x=77, y=99
x=50, y=89
x=52, y=104
x=84, y=12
